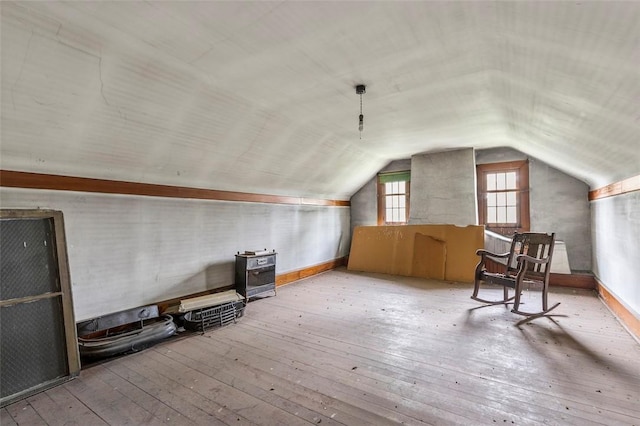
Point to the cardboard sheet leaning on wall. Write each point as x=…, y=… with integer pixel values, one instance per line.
x=431, y=251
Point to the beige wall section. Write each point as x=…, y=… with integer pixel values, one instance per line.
x=404, y=250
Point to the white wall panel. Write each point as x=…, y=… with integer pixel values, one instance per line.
x=616, y=243
x=127, y=251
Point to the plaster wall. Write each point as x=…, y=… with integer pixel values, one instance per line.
x=499, y=155
x=557, y=202
x=443, y=188
x=616, y=243
x=364, y=203
x=560, y=203
x=127, y=251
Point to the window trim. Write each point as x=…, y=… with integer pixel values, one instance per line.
x=383, y=178
x=522, y=189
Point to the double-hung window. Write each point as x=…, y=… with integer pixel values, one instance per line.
x=393, y=198
x=503, y=196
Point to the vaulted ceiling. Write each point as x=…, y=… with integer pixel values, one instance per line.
x=259, y=96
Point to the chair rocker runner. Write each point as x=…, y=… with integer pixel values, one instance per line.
x=527, y=262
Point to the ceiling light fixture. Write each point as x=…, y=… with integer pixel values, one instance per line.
x=360, y=90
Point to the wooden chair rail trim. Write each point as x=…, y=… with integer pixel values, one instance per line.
x=17, y=179
x=574, y=280
x=289, y=277
x=281, y=279
x=617, y=188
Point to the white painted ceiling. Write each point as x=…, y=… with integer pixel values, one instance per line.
x=259, y=96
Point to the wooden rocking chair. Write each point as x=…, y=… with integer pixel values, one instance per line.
x=527, y=262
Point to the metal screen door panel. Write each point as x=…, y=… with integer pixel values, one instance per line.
x=33, y=349
x=34, y=342
x=28, y=262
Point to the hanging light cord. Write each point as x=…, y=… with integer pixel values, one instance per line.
x=360, y=90
x=361, y=118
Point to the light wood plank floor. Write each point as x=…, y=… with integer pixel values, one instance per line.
x=356, y=349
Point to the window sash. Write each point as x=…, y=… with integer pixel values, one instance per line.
x=393, y=202
x=503, y=191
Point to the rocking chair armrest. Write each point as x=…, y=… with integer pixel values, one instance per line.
x=483, y=253
x=521, y=257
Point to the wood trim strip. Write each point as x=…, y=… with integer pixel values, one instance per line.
x=505, y=165
x=380, y=201
x=630, y=321
x=622, y=187
x=171, y=305
x=16, y=179
x=292, y=276
x=522, y=169
x=586, y=281
x=27, y=299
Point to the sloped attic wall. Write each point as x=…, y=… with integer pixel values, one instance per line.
x=82, y=96
x=559, y=203
x=185, y=93
x=365, y=199
x=127, y=251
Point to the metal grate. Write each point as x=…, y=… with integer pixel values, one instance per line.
x=216, y=316
x=261, y=276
